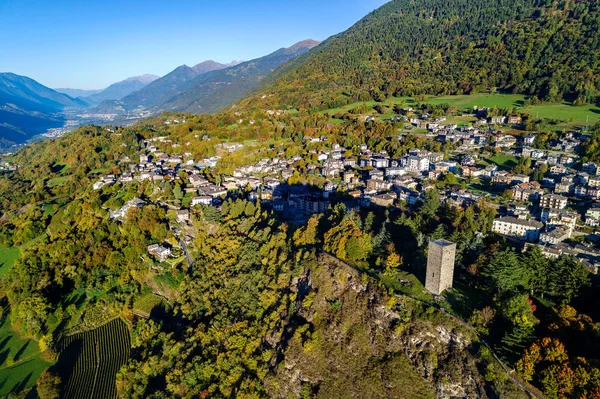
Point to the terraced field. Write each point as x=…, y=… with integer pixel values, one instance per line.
x=89, y=361
x=148, y=304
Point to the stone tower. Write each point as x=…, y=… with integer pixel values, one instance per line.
x=440, y=266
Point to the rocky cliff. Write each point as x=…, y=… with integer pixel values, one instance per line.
x=349, y=339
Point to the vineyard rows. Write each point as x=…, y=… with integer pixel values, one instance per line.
x=89, y=361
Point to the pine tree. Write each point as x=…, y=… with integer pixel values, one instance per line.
x=506, y=273
x=381, y=241
x=538, y=266
x=431, y=204
x=518, y=338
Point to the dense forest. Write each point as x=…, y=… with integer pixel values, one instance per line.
x=544, y=48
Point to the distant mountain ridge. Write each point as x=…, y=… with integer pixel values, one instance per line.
x=121, y=89
x=205, y=87
x=76, y=92
x=217, y=89
x=162, y=89
x=28, y=108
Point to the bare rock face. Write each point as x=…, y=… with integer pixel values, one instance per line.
x=349, y=339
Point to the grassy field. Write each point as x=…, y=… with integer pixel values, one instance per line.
x=98, y=171
x=561, y=111
x=168, y=280
x=504, y=162
x=7, y=259
x=147, y=303
x=461, y=120
x=480, y=100
x=565, y=112
x=406, y=283
x=150, y=305
x=583, y=115
x=20, y=361
x=57, y=181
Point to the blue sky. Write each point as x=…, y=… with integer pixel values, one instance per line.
x=89, y=44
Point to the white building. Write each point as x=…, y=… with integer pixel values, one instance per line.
x=559, y=217
x=160, y=252
x=592, y=216
x=553, y=201
x=527, y=230
x=202, y=200
x=554, y=236
x=119, y=214
x=183, y=215
x=415, y=164
x=380, y=162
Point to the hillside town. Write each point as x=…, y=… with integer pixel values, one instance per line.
x=543, y=197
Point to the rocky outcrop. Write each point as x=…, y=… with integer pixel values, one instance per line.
x=350, y=339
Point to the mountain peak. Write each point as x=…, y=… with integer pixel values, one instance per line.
x=118, y=90
x=146, y=78
x=208, y=66
x=234, y=63
x=308, y=43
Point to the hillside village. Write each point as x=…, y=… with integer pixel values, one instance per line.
x=545, y=197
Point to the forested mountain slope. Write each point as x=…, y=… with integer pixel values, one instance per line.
x=220, y=88
x=118, y=90
x=407, y=47
x=162, y=89
x=28, y=108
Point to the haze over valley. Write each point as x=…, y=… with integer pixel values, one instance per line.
x=31, y=110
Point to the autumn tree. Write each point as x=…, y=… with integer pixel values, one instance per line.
x=308, y=234
x=393, y=260
x=48, y=385
x=347, y=241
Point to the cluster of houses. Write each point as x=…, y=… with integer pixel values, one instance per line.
x=549, y=217
x=8, y=167
x=537, y=213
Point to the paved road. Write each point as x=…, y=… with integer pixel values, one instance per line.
x=187, y=255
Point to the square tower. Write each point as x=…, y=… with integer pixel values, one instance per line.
x=440, y=266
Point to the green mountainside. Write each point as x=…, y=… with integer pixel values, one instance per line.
x=537, y=47
x=251, y=302
x=217, y=89
x=28, y=108
x=264, y=311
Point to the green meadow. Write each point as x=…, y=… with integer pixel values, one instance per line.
x=564, y=111
x=20, y=361
x=8, y=256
